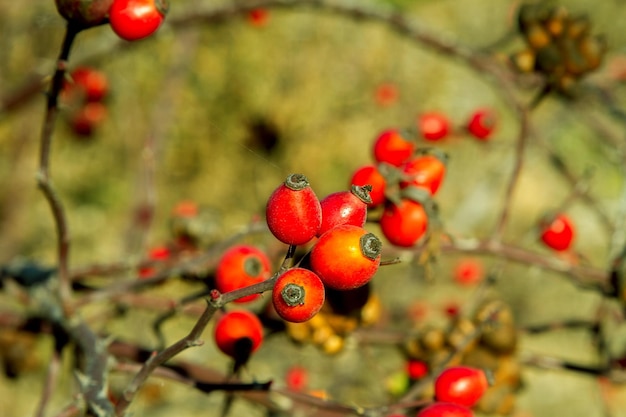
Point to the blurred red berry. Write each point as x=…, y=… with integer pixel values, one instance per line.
x=238, y=333
x=433, y=126
x=405, y=223
x=241, y=266
x=386, y=94
x=468, y=271
x=482, y=123
x=462, y=385
x=158, y=253
x=416, y=369
x=425, y=171
x=558, y=233
x=86, y=119
x=297, y=378
x=258, y=17
x=391, y=147
x=185, y=208
x=89, y=83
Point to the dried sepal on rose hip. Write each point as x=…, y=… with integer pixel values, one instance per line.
x=84, y=13
x=132, y=20
x=371, y=175
x=298, y=295
x=242, y=266
x=346, y=257
x=345, y=207
x=293, y=211
x=238, y=333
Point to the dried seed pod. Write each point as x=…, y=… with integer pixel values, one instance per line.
x=498, y=327
x=524, y=61
x=432, y=339
x=85, y=13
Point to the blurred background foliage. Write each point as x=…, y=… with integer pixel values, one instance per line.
x=184, y=116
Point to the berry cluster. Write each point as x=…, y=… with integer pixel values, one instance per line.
x=402, y=181
x=404, y=177
x=344, y=256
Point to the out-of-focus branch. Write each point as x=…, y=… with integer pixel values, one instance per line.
x=520, y=148
x=43, y=174
x=483, y=64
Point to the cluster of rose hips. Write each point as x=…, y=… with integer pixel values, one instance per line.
x=402, y=181
x=84, y=93
x=344, y=256
x=404, y=177
x=130, y=19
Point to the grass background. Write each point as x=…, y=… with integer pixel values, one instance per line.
x=177, y=128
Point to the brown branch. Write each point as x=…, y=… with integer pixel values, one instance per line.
x=49, y=384
x=93, y=366
x=586, y=276
x=193, y=338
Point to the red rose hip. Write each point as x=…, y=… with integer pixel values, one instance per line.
x=345, y=207
x=293, y=212
x=346, y=257
x=370, y=175
x=462, y=385
x=433, y=126
x=239, y=267
x=558, y=233
x=136, y=19
x=392, y=148
x=238, y=328
x=482, y=124
x=405, y=223
x=425, y=171
x=298, y=295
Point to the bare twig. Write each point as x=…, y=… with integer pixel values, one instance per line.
x=43, y=175
x=520, y=147
x=49, y=384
